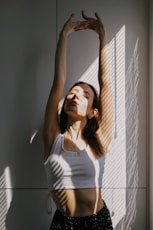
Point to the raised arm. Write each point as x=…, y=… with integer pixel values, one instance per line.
x=51, y=126
x=106, y=105
x=106, y=113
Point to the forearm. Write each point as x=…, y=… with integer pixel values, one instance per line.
x=60, y=58
x=103, y=71
x=105, y=90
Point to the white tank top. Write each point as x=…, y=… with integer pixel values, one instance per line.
x=73, y=170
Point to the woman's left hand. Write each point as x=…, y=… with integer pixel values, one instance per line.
x=95, y=24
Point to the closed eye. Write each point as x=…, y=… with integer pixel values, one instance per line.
x=86, y=94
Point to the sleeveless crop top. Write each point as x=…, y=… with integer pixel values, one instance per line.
x=73, y=170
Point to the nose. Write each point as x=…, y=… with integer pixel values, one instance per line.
x=75, y=95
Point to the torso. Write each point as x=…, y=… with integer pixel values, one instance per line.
x=77, y=202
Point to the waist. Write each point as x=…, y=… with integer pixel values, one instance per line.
x=84, y=217
x=78, y=202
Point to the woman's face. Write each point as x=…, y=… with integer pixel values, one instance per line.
x=79, y=101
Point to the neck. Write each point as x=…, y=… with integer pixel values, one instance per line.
x=75, y=129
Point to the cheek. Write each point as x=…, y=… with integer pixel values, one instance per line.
x=85, y=107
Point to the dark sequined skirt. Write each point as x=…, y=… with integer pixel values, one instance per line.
x=99, y=221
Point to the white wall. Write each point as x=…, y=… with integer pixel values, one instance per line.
x=28, y=42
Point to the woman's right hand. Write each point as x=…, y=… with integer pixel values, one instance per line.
x=72, y=26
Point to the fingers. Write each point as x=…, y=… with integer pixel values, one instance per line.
x=90, y=18
x=98, y=17
x=86, y=17
x=71, y=17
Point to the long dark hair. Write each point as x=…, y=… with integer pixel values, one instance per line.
x=89, y=131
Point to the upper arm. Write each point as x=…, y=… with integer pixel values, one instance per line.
x=106, y=102
x=106, y=115
x=51, y=126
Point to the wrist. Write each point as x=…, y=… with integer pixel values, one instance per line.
x=102, y=38
x=63, y=34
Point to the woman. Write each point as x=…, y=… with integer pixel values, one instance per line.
x=76, y=144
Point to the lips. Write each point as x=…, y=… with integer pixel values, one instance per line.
x=73, y=103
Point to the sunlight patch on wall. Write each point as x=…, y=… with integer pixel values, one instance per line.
x=91, y=74
x=5, y=195
x=132, y=131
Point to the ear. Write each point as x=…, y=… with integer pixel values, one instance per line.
x=93, y=113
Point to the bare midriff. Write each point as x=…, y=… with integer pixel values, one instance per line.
x=78, y=202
